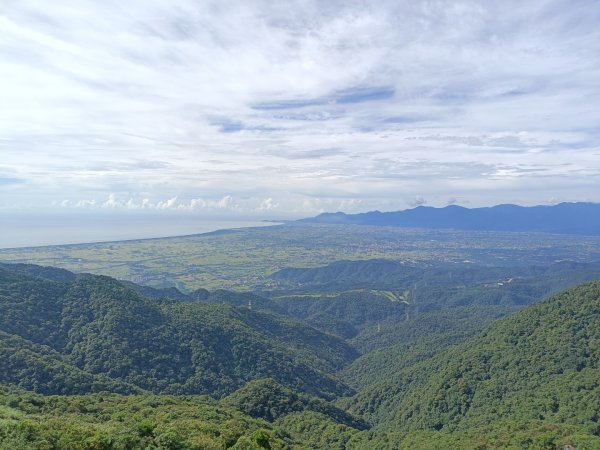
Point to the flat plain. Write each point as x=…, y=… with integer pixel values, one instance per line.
x=243, y=259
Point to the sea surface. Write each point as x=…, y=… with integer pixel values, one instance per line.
x=33, y=230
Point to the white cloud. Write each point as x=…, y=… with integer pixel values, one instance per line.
x=417, y=201
x=86, y=204
x=197, y=203
x=268, y=204
x=112, y=202
x=167, y=204
x=225, y=202
x=322, y=105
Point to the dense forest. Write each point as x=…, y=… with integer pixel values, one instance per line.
x=92, y=362
x=101, y=326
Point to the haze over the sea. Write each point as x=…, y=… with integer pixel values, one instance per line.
x=29, y=230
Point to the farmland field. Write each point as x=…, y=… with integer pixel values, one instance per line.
x=242, y=259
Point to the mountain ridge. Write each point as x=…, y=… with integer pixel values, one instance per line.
x=563, y=218
x=541, y=363
x=96, y=332
x=530, y=380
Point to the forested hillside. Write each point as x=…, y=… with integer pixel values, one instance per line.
x=108, y=421
x=40, y=369
x=389, y=369
x=520, y=284
x=99, y=326
x=542, y=363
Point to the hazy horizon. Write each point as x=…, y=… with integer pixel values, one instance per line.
x=69, y=227
x=35, y=230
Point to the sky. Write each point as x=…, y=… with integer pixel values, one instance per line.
x=286, y=109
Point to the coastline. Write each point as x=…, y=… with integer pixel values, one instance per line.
x=26, y=231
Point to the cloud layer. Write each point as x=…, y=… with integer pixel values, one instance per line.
x=290, y=108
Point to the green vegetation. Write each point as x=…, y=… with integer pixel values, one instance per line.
x=542, y=363
x=429, y=364
x=96, y=326
x=38, y=368
x=108, y=421
x=244, y=259
x=503, y=434
x=267, y=399
x=438, y=324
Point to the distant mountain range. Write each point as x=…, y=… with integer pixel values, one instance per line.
x=565, y=218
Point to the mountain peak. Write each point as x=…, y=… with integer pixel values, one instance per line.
x=564, y=218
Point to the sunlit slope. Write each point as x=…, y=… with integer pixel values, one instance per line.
x=543, y=363
x=101, y=326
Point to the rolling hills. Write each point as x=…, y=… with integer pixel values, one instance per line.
x=102, y=327
x=542, y=363
x=88, y=361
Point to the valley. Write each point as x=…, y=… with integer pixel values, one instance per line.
x=411, y=344
x=299, y=225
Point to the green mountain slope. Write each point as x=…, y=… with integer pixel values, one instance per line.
x=543, y=363
x=400, y=275
x=30, y=307
x=392, y=300
x=108, y=421
x=344, y=313
x=463, y=321
x=269, y=400
x=227, y=346
x=103, y=327
x=38, y=368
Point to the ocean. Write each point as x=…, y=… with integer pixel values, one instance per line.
x=33, y=230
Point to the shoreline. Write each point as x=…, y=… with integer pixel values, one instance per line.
x=219, y=227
